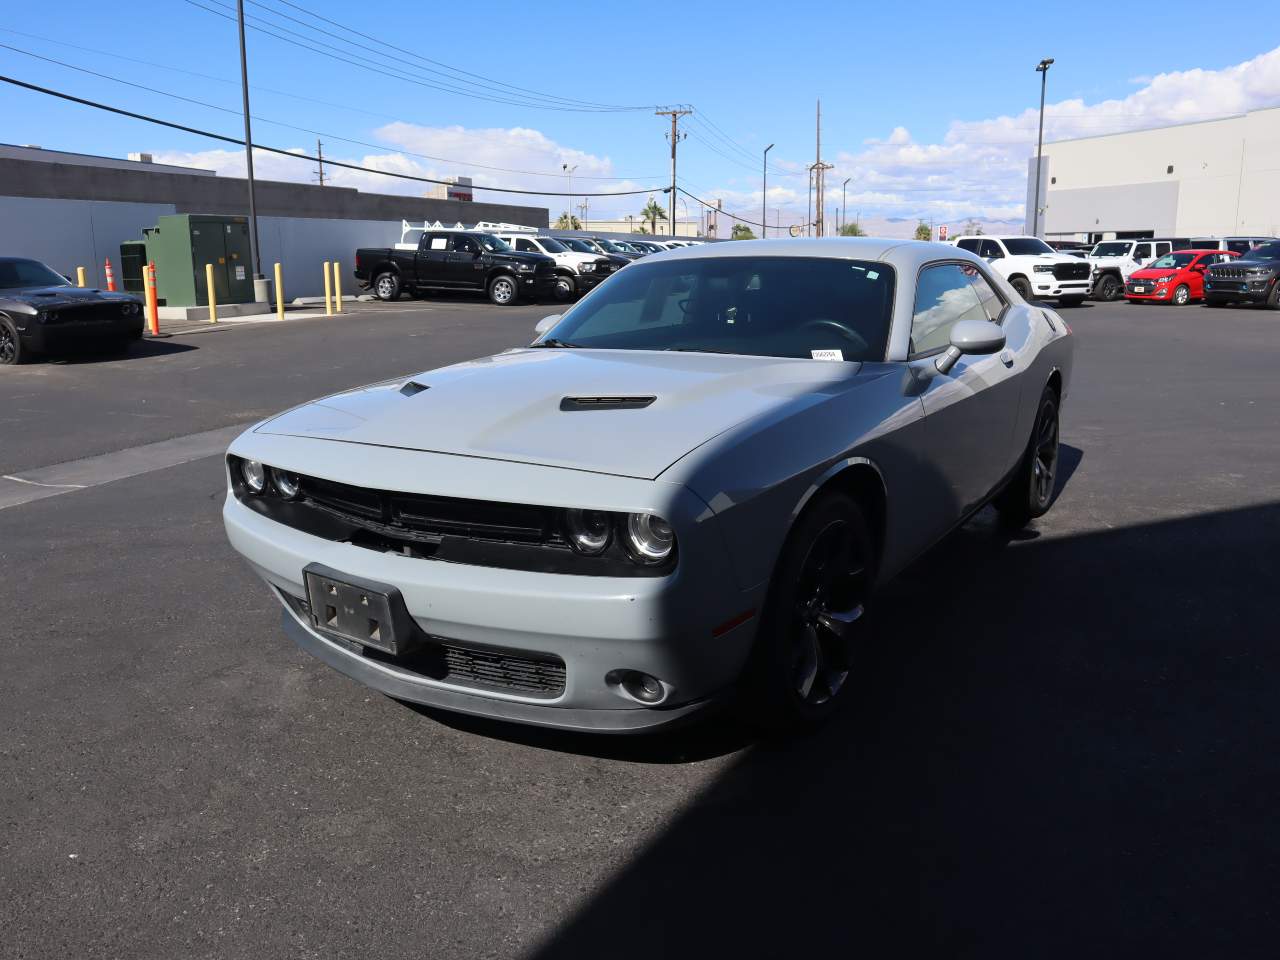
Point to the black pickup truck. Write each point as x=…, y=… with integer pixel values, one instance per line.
x=457, y=260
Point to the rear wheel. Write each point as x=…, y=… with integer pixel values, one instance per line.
x=502, y=291
x=1108, y=287
x=1023, y=286
x=386, y=286
x=12, y=352
x=1181, y=295
x=1030, y=492
x=813, y=620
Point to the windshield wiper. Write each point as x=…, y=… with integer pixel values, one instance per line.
x=555, y=342
x=696, y=350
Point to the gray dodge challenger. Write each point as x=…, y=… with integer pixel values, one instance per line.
x=685, y=491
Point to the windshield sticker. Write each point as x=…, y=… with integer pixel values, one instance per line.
x=826, y=354
x=871, y=274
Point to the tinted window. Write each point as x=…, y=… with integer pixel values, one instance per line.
x=991, y=249
x=944, y=294
x=29, y=273
x=1267, y=251
x=493, y=244
x=970, y=245
x=1142, y=252
x=990, y=300
x=573, y=243
x=1112, y=248
x=758, y=306
x=527, y=245
x=465, y=245
x=1026, y=246
x=552, y=245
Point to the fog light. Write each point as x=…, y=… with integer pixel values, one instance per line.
x=643, y=687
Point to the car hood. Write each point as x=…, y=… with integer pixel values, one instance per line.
x=1152, y=273
x=524, y=406
x=46, y=298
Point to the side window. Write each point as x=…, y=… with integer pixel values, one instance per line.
x=437, y=242
x=1142, y=252
x=945, y=294
x=1163, y=248
x=969, y=244
x=526, y=245
x=465, y=245
x=992, y=305
x=1238, y=246
x=991, y=250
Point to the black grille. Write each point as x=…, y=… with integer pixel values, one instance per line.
x=431, y=517
x=87, y=313
x=1071, y=271
x=1235, y=273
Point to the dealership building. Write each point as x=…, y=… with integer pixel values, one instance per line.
x=1214, y=178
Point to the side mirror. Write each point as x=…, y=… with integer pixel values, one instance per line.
x=546, y=323
x=972, y=337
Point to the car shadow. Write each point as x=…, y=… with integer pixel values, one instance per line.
x=136, y=350
x=1053, y=748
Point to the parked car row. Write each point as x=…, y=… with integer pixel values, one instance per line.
x=1115, y=261
x=1032, y=267
x=504, y=265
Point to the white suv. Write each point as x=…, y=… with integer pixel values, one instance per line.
x=576, y=273
x=1033, y=268
x=1114, y=260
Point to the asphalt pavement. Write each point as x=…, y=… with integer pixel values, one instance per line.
x=1059, y=744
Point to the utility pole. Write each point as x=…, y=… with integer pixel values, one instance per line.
x=675, y=114
x=844, y=203
x=568, y=176
x=764, y=195
x=248, y=153
x=320, y=157
x=819, y=180
x=1042, y=68
x=808, y=210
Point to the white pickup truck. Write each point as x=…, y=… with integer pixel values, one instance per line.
x=1114, y=260
x=1033, y=268
x=576, y=273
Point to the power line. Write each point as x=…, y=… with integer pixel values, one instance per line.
x=298, y=155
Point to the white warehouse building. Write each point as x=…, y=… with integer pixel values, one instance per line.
x=1214, y=178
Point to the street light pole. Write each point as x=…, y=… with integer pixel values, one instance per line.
x=1042, y=68
x=764, y=194
x=248, y=150
x=568, y=176
x=844, y=203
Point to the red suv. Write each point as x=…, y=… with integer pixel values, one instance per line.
x=1176, y=278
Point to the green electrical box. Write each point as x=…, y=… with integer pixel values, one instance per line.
x=183, y=244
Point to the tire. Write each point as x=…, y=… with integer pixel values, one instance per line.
x=1273, y=298
x=12, y=352
x=566, y=288
x=503, y=291
x=1030, y=492
x=1023, y=286
x=1070, y=301
x=1107, y=288
x=813, y=618
x=386, y=286
x=1181, y=295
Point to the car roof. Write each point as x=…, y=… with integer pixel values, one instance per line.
x=907, y=256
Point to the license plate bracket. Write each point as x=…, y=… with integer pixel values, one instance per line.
x=359, y=611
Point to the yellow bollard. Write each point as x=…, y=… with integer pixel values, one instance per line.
x=279, y=293
x=328, y=291
x=337, y=287
x=213, y=296
x=80, y=277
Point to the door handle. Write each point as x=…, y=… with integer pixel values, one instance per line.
x=1006, y=358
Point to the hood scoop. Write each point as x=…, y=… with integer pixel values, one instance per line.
x=413, y=388
x=605, y=403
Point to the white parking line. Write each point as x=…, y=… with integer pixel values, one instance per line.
x=74, y=475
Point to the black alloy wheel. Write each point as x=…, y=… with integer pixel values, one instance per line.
x=1030, y=492
x=1023, y=286
x=11, y=350
x=1108, y=288
x=814, y=622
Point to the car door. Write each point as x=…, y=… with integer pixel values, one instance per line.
x=467, y=265
x=1195, y=273
x=970, y=411
x=1141, y=255
x=432, y=260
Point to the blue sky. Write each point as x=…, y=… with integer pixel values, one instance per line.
x=929, y=108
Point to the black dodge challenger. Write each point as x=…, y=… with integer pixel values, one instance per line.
x=41, y=311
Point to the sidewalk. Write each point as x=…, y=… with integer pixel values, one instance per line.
x=174, y=328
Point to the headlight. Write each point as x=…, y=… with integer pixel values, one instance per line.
x=649, y=537
x=255, y=475
x=43, y=316
x=130, y=309
x=1163, y=279
x=287, y=484
x=588, y=530
x=1043, y=268
x=587, y=267
x=525, y=267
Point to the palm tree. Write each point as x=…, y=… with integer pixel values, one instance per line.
x=568, y=221
x=653, y=213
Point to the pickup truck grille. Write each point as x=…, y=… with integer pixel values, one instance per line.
x=604, y=266
x=1071, y=271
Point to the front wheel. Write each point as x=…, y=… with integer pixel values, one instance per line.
x=1273, y=298
x=12, y=352
x=813, y=621
x=1181, y=295
x=1030, y=492
x=1023, y=286
x=1108, y=288
x=502, y=291
x=386, y=286
x=566, y=288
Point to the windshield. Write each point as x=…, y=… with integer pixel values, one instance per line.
x=552, y=245
x=493, y=244
x=610, y=246
x=1026, y=246
x=574, y=243
x=625, y=247
x=1266, y=251
x=1114, y=248
x=29, y=273
x=1172, y=260
x=814, y=308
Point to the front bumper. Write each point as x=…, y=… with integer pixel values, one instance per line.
x=662, y=626
x=52, y=338
x=1064, y=288
x=1238, y=291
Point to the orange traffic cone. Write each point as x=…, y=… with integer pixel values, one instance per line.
x=111, y=277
